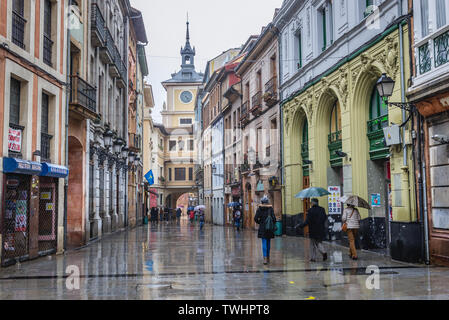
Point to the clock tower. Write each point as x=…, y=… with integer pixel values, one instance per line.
x=182, y=89
x=178, y=117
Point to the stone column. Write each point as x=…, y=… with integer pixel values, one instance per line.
x=121, y=215
x=96, y=219
x=113, y=208
x=106, y=217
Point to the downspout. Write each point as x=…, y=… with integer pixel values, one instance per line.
x=66, y=180
x=422, y=190
x=404, y=119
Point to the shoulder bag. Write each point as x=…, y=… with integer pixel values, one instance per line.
x=344, y=228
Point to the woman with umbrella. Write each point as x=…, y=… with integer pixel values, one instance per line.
x=351, y=220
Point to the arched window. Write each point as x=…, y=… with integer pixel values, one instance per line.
x=378, y=119
x=335, y=143
x=305, y=147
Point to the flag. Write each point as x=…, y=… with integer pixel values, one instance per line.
x=150, y=177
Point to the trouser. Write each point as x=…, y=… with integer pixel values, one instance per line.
x=266, y=246
x=352, y=234
x=201, y=225
x=237, y=223
x=316, y=245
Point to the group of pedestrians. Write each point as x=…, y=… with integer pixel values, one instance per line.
x=164, y=214
x=315, y=220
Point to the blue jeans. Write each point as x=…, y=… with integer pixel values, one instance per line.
x=266, y=246
x=237, y=223
x=201, y=225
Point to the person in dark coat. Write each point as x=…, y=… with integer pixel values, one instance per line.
x=265, y=210
x=316, y=220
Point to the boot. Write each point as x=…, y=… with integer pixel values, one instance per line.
x=268, y=259
x=265, y=261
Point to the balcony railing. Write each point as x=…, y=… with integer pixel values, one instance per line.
x=244, y=116
x=45, y=147
x=256, y=102
x=18, y=29
x=107, y=51
x=98, y=26
x=48, y=45
x=83, y=94
x=335, y=144
x=378, y=148
x=135, y=141
x=436, y=49
x=270, y=95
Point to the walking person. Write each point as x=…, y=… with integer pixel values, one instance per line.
x=192, y=216
x=237, y=217
x=266, y=220
x=201, y=218
x=351, y=217
x=316, y=220
x=178, y=214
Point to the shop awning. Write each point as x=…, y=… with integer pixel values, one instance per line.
x=13, y=165
x=53, y=170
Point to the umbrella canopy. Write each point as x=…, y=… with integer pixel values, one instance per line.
x=234, y=204
x=312, y=193
x=356, y=201
x=200, y=207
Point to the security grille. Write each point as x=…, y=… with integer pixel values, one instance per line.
x=15, y=240
x=48, y=213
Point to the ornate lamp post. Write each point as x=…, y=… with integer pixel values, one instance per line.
x=107, y=136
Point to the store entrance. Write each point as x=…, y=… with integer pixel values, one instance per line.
x=48, y=210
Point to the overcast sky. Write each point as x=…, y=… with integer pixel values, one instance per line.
x=215, y=26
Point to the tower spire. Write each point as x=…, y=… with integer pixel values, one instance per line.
x=187, y=33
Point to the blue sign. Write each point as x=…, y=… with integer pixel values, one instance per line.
x=375, y=200
x=150, y=177
x=53, y=170
x=13, y=165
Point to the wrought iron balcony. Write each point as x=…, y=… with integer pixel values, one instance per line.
x=270, y=96
x=378, y=148
x=18, y=29
x=107, y=51
x=98, y=26
x=244, y=116
x=45, y=147
x=335, y=144
x=83, y=98
x=256, y=104
x=135, y=142
x=441, y=45
x=48, y=46
x=425, y=62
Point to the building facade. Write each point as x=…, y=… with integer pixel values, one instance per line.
x=260, y=122
x=178, y=119
x=107, y=39
x=430, y=95
x=33, y=93
x=331, y=107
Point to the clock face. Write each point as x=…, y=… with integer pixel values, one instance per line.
x=186, y=96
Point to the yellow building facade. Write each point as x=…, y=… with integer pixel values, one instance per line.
x=335, y=113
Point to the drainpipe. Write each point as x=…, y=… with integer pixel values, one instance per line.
x=422, y=191
x=404, y=117
x=66, y=180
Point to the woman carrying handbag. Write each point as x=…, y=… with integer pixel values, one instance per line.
x=351, y=225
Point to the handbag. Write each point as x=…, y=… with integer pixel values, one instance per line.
x=344, y=228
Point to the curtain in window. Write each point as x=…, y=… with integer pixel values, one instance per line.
x=441, y=13
x=425, y=17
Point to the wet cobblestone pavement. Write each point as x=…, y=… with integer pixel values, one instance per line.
x=178, y=261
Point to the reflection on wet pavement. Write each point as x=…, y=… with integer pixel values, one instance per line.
x=178, y=261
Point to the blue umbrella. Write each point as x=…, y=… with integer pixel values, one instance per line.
x=234, y=204
x=312, y=193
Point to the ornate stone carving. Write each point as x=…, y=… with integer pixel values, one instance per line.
x=342, y=84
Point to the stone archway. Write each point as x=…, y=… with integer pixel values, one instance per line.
x=76, y=194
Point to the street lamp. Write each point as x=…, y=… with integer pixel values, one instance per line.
x=118, y=146
x=131, y=157
x=385, y=86
x=125, y=152
x=108, y=138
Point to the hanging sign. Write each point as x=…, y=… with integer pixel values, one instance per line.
x=15, y=140
x=334, y=200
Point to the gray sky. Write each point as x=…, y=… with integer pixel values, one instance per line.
x=215, y=26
